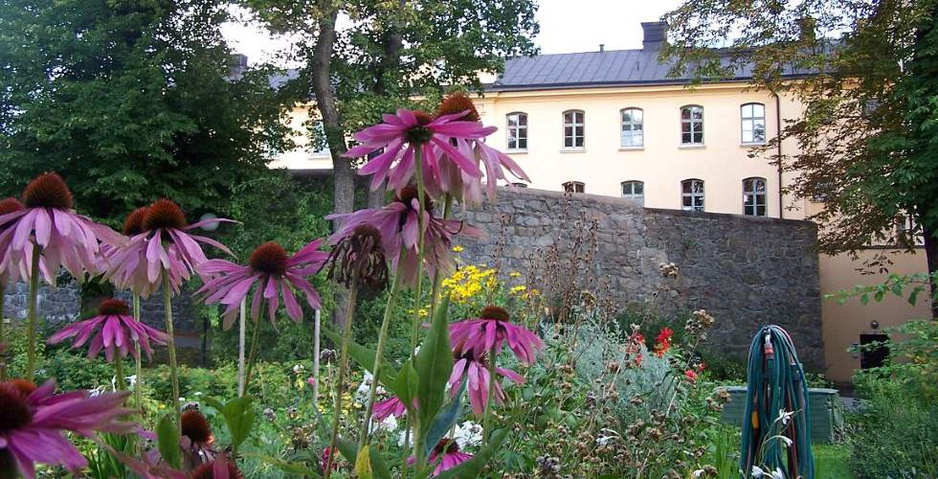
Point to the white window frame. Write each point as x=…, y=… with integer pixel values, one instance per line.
x=518, y=132
x=632, y=128
x=570, y=141
x=755, y=198
x=695, y=126
x=693, y=199
x=750, y=121
x=628, y=191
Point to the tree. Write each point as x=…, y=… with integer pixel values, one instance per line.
x=393, y=54
x=130, y=101
x=865, y=73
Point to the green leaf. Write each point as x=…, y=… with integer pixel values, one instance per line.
x=239, y=415
x=434, y=364
x=365, y=357
x=473, y=467
x=445, y=420
x=405, y=388
x=288, y=467
x=864, y=299
x=349, y=450
x=167, y=440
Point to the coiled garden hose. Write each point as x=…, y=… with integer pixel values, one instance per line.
x=776, y=384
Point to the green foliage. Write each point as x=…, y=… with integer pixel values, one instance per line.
x=866, y=138
x=130, y=102
x=167, y=439
x=239, y=417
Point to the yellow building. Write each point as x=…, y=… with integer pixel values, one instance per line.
x=613, y=123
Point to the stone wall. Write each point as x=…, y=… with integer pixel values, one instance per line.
x=745, y=271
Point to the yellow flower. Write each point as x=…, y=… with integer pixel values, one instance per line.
x=518, y=289
x=457, y=249
x=514, y=274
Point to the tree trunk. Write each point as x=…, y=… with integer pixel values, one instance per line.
x=343, y=173
x=931, y=259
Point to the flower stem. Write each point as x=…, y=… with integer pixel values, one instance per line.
x=492, y=394
x=119, y=372
x=421, y=237
x=242, y=316
x=253, y=356
x=171, y=346
x=438, y=276
x=31, y=325
x=3, y=344
x=138, y=366
x=343, y=370
x=379, y=353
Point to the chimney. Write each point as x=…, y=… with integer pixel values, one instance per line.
x=602, y=47
x=655, y=34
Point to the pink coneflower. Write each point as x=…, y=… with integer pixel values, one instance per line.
x=114, y=330
x=447, y=451
x=11, y=270
x=33, y=421
x=272, y=274
x=451, y=178
x=398, y=226
x=474, y=369
x=48, y=222
x=403, y=134
x=161, y=247
x=489, y=331
x=387, y=408
x=220, y=468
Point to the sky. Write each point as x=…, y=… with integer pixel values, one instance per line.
x=567, y=26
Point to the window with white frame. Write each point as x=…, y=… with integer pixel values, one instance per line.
x=517, y=130
x=634, y=190
x=752, y=123
x=692, y=195
x=754, y=197
x=633, y=133
x=692, y=125
x=574, y=129
x=574, y=187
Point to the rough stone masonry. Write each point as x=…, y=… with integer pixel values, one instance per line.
x=745, y=271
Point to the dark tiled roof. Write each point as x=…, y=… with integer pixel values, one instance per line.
x=605, y=68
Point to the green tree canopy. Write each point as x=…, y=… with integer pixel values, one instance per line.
x=130, y=101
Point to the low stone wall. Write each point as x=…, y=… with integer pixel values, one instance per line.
x=744, y=271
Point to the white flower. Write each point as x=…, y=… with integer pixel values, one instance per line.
x=131, y=380
x=784, y=439
x=389, y=424
x=785, y=416
x=778, y=474
x=297, y=368
x=468, y=434
x=697, y=473
x=757, y=472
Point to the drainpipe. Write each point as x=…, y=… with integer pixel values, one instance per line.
x=778, y=126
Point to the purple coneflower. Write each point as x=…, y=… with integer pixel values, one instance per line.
x=398, y=226
x=447, y=451
x=114, y=330
x=489, y=331
x=494, y=163
x=272, y=274
x=163, y=246
x=64, y=238
x=220, y=468
x=33, y=420
x=387, y=408
x=11, y=270
x=474, y=369
x=403, y=134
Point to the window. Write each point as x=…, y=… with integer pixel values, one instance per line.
x=574, y=187
x=632, y=128
x=634, y=190
x=573, y=129
x=692, y=195
x=318, y=144
x=692, y=125
x=752, y=117
x=754, y=197
x=517, y=131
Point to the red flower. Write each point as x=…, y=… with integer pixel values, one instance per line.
x=691, y=375
x=663, y=341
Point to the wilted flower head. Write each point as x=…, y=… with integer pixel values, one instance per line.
x=33, y=422
x=399, y=229
x=360, y=257
x=220, y=468
x=401, y=136
x=114, y=330
x=162, y=247
x=272, y=273
x=489, y=331
x=47, y=221
x=197, y=439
